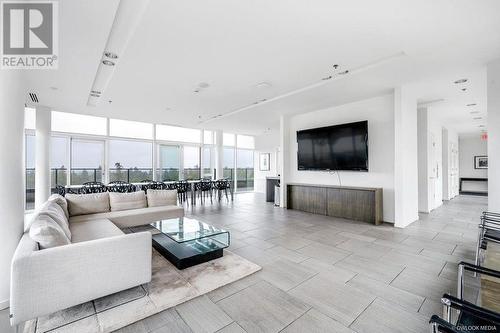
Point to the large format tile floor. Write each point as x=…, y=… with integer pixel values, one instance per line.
x=323, y=274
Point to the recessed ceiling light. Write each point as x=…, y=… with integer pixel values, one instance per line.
x=474, y=112
x=111, y=55
x=460, y=81
x=477, y=118
x=335, y=66
x=110, y=101
x=197, y=91
x=95, y=95
x=203, y=85
x=95, y=92
x=481, y=126
x=464, y=89
x=53, y=88
x=472, y=104
x=167, y=109
x=108, y=63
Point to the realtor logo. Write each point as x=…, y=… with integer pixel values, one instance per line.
x=29, y=34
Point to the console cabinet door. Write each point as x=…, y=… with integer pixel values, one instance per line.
x=307, y=198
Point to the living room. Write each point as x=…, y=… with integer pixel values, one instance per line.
x=250, y=167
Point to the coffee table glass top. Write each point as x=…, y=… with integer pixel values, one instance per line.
x=184, y=229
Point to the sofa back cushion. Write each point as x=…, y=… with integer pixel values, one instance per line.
x=61, y=201
x=126, y=201
x=55, y=212
x=161, y=198
x=47, y=233
x=81, y=204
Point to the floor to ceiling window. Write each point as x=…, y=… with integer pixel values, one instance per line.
x=30, y=171
x=58, y=162
x=169, y=162
x=191, y=163
x=245, y=162
x=87, y=161
x=130, y=161
x=228, y=140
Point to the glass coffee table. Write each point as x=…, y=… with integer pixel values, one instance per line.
x=186, y=242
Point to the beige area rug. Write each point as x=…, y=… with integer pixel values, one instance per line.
x=168, y=287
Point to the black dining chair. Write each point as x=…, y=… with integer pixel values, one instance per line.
x=120, y=187
x=61, y=190
x=182, y=187
x=223, y=185
x=204, y=188
x=93, y=187
x=153, y=185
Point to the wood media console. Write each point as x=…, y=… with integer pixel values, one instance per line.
x=355, y=203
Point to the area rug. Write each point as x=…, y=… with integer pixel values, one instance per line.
x=168, y=287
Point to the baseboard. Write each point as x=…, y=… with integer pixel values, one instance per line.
x=4, y=304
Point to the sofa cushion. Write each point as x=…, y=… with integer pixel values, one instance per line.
x=61, y=201
x=47, y=233
x=55, y=212
x=126, y=201
x=161, y=197
x=81, y=204
x=94, y=229
x=134, y=217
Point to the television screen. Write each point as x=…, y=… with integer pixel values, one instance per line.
x=339, y=147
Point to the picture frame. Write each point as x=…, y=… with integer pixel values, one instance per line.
x=480, y=162
x=265, y=162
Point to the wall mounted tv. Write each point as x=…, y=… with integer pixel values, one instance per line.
x=339, y=147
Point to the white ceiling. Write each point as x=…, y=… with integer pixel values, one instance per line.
x=234, y=45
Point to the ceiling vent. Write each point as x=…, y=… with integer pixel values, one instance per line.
x=33, y=97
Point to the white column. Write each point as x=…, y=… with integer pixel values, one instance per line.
x=12, y=96
x=405, y=157
x=42, y=155
x=284, y=158
x=493, y=77
x=219, y=155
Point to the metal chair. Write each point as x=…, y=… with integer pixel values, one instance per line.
x=182, y=187
x=120, y=187
x=154, y=185
x=204, y=187
x=489, y=231
x=468, y=315
x=222, y=185
x=93, y=187
x=61, y=190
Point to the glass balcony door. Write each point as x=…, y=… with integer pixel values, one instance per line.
x=87, y=161
x=169, y=163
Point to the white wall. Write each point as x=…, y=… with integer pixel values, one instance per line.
x=12, y=96
x=450, y=164
x=493, y=77
x=379, y=112
x=266, y=143
x=430, y=155
x=470, y=146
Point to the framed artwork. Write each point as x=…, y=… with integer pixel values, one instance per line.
x=480, y=162
x=265, y=162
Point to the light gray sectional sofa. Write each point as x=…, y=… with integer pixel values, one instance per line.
x=74, y=250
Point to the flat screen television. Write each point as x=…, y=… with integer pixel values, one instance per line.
x=338, y=147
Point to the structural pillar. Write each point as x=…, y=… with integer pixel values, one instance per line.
x=493, y=78
x=42, y=155
x=12, y=96
x=405, y=157
x=219, y=155
x=284, y=158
